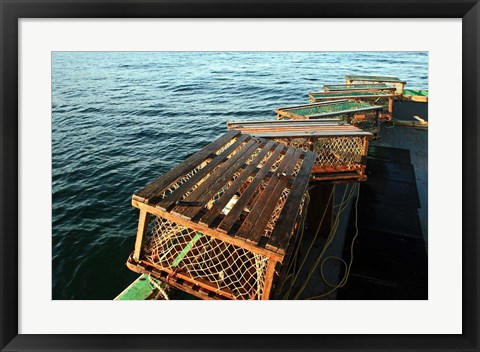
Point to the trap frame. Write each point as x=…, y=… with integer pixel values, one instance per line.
x=341, y=148
x=358, y=114
x=370, y=96
x=223, y=223
x=391, y=81
x=377, y=86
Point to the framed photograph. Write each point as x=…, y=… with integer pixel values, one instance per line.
x=194, y=113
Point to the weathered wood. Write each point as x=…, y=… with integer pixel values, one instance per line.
x=292, y=130
x=254, y=225
x=394, y=81
x=171, y=199
x=281, y=234
x=237, y=209
x=258, y=172
x=215, y=182
x=205, y=230
x=274, y=123
x=341, y=87
x=164, y=275
x=269, y=277
x=217, y=208
x=141, y=231
x=193, y=161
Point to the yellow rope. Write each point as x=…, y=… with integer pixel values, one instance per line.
x=348, y=267
x=295, y=276
x=343, y=205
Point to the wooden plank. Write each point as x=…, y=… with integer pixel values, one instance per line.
x=237, y=209
x=269, y=276
x=337, y=168
x=172, y=198
x=144, y=267
x=288, y=162
x=217, y=208
x=286, y=221
x=272, y=198
x=202, y=195
x=141, y=231
x=338, y=176
x=294, y=107
x=193, y=161
x=205, y=230
x=274, y=123
x=309, y=134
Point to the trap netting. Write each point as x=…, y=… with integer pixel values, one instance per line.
x=334, y=151
x=228, y=269
x=328, y=108
x=366, y=121
x=339, y=151
x=225, y=267
x=397, y=85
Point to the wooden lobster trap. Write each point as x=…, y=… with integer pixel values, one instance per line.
x=223, y=224
x=391, y=81
x=358, y=114
x=371, y=96
x=377, y=86
x=341, y=148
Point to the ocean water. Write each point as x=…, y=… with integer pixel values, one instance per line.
x=121, y=119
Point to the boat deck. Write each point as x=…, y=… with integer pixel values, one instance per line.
x=391, y=249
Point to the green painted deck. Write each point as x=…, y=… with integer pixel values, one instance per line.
x=415, y=92
x=417, y=95
x=138, y=290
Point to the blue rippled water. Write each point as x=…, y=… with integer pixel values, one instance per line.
x=121, y=119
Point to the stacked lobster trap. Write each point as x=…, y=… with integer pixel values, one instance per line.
x=395, y=82
x=366, y=86
x=358, y=114
x=373, y=97
x=223, y=224
x=341, y=149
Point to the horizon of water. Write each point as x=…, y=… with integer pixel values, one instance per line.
x=122, y=119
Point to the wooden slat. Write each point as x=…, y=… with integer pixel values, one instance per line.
x=309, y=105
x=141, y=231
x=206, y=231
x=214, y=183
x=171, y=199
x=145, y=267
x=189, y=164
x=217, y=208
x=256, y=212
x=286, y=221
x=309, y=134
x=274, y=123
x=269, y=276
x=270, y=200
x=237, y=209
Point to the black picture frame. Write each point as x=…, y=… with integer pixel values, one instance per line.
x=12, y=10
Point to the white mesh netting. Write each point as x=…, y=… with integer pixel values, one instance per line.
x=224, y=266
x=335, y=151
x=339, y=151
x=235, y=271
